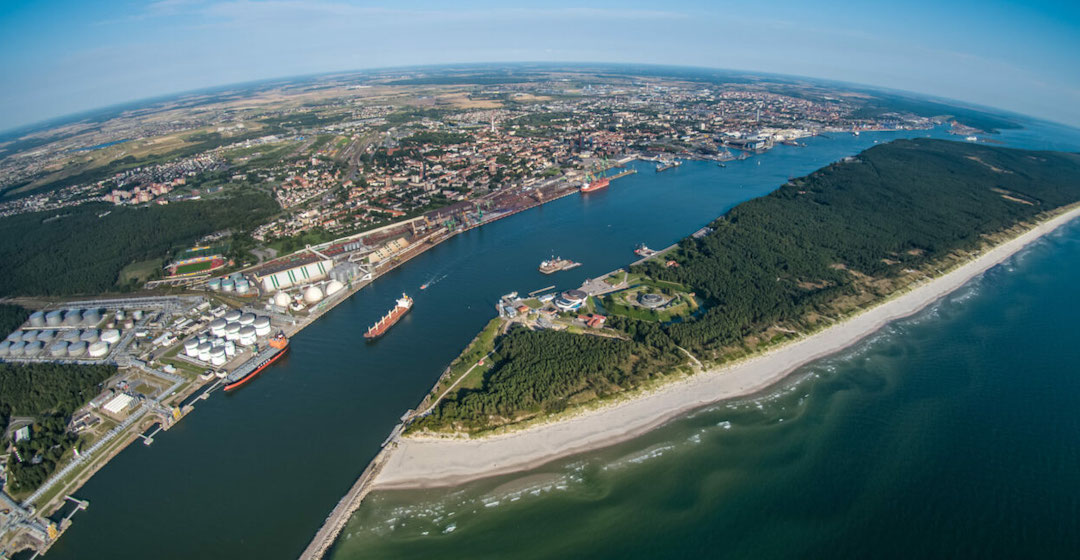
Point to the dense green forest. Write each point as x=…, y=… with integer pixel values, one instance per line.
x=49, y=393
x=11, y=316
x=821, y=245
x=81, y=250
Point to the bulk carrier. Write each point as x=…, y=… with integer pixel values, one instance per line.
x=275, y=349
x=404, y=304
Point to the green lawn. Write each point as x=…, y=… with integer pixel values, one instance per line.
x=140, y=271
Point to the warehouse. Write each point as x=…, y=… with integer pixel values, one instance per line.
x=273, y=280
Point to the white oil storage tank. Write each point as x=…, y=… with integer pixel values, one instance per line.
x=217, y=327
x=137, y=314
x=5, y=348
x=15, y=336
x=54, y=318
x=313, y=295
x=217, y=356
x=98, y=349
x=58, y=349
x=91, y=317
x=73, y=317
x=232, y=316
x=72, y=335
x=230, y=349
x=16, y=349
x=262, y=326
x=29, y=336
x=112, y=336
x=191, y=347
x=214, y=284
x=33, y=349
x=247, y=319
x=227, y=285
x=37, y=319
x=89, y=336
x=232, y=331
x=204, y=351
x=46, y=335
x=76, y=349
x=247, y=335
x=242, y=287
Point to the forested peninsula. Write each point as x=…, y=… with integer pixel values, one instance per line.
x=814, y=252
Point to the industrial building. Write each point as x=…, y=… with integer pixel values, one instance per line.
x=290, y=274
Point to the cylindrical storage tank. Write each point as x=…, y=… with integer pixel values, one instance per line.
x=227, y=285
x=54, y=318
x=204, y=351
x=137, y=314
x=76, y=349
x=120, y=315
x=112, y=336
x=232, y=331
x=230, y=349
x=262, y=325
x=29, y=336
x=333, y=287
x=98, y=349
x=15, y=336
x=281, y=299
x=214, y=284
x=89, y=336
x=247, y=319
x=129, y=324
x=73, y=317
x=16, y=349
x=58, y=349
x=191, y=347
x=232, y=316
x=217, y=327
x=242, y=287
x=71, y=336
x=33, y=349
x=247, y=335
x=45, y=336
x=217, y=356
x=91, y=317
x=5, y=348
x=313, y=295
x=37, y=319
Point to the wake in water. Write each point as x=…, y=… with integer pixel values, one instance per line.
x=435, y=279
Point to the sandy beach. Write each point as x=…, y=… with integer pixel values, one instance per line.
x=428, y=462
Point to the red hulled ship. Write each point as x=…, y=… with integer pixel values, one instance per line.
x=404, y=304
x=275, y=349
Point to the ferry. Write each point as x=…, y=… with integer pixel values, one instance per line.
x=276, y=347
x=403, y=305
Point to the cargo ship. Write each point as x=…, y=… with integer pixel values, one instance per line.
x=555, y=264
x=594, y=183
x=404, y=304
x=275, y=349
x=665, y=165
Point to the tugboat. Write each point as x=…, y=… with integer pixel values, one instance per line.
x=643, y=251
x=404, y=304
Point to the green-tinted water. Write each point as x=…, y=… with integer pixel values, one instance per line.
x=253, y=474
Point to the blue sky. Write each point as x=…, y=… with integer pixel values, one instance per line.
x=60, y=57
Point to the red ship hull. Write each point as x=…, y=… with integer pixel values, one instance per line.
x=256, y=371
x=596, y=185
x=391, y=319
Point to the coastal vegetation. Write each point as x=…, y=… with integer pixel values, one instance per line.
x=815, y=251
x=11, y=316
x=42, y=256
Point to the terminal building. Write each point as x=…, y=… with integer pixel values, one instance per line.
x=571, y=300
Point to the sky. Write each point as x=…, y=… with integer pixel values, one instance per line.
x=60, y=57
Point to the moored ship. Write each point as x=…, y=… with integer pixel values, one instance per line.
x=555, y=264
x=594, y=183
x=644, y=251
x=404, y=304
x=665, y=165
x=275, y=349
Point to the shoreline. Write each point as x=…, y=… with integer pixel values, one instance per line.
x=428, y=462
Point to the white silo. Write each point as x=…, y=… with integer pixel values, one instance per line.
x=76, y=349
x=129, y=324
x=230, y=349
x=120, y=315
x=91, y=317
x=247, y=335
x=227, y=285
x=262, y=326
x=112, y=336
x=191, y=347
x=32, y=349
x=232, y=331
x=214, y=284
x=54, y=318
x=89, y=336
x=98, y=349
x=217, y=356
x=37, y=319
x=5, y=348
x=232, y=316
x=71, y=335
x=242, y=287
x=313, y=295
x=217, y=327
x=137, y=314
x=58, y=349
x=46, y=335
x=247, y=319
x=29, y=336
x=15, y=336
